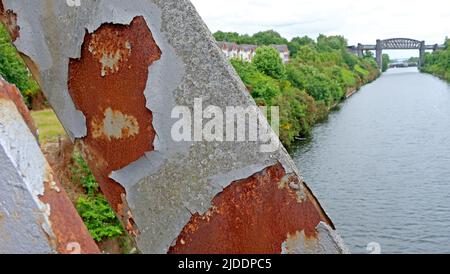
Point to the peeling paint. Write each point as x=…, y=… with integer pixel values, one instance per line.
x=127, y=217
x=326, y=241
x=38, y=215
x=241, y=218
x=120, y=126
x=115, y=125
x=11, y=92
x=110, y=49
x=66, y=226
x=292, y=181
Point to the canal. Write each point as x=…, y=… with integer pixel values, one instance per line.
x=380, y=165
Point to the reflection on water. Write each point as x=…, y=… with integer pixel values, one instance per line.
x=380, y=165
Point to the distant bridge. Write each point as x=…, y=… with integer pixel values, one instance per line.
x=395, y=43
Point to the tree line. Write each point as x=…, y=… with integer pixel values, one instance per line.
x=320, y=74
x=438, y=62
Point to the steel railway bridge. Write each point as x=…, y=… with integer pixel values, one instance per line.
x=395, y=43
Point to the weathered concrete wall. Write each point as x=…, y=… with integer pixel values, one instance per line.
x=36, y=215
x=113, y=71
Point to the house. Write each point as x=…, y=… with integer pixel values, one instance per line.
x=284, y=52
x=247, y=52
x=229, y=49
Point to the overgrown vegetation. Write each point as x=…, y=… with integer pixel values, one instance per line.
x=386, y=62
x=13, y=68
x=438, y=62
x=93, y=207
x=320, y=74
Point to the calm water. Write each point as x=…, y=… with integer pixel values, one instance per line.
x=380, y=165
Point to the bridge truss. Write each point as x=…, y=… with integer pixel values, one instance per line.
x=395, y=44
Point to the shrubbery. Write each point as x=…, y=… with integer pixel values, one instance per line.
x=438, y=62
x=93, y=207
x=13, y=68
x=319, y=75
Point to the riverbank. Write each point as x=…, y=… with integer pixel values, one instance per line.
x=376, y=164
x=438, y=75
x=349, y=94
x=437, y=63
x=320, y=74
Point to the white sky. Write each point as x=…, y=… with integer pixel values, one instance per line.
x=358, y=20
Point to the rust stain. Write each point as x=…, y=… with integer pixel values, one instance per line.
x=252, y=216
x=10, y=92
x=107, y=84
x=66, y=224
x=127, y=217
x=9, y=19
x=112, y=54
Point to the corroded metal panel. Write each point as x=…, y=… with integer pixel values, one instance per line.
x=265, y=213
x=36, y=216
x=107, y=84
x=114, y=71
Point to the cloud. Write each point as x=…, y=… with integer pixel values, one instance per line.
x=359, y=21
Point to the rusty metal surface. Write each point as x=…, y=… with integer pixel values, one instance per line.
x=115, y=99
x=252, y=216
x=36, y=213
x=107, y=84
x=71, y=235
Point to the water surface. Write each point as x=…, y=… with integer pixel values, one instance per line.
x=380, y=165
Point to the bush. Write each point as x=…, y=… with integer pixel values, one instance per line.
x=82, y=174
x=99, y=218
x=93, y=208
x=438, y=62
x=268, y=61
x=13, y=68
x=317, y=77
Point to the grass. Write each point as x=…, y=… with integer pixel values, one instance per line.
x=48, y=124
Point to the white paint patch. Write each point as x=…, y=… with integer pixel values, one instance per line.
x=23, y=172
x=327, y=241
x=115, y=125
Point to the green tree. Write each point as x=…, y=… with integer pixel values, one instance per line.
x=369, y=54
x=269, y=37
x=298, y=42
x=438, y=62
x=386, y=62
x=227, y=36
x=328, y=43
x=316, y=78
x=233, y=37
x=268, y=61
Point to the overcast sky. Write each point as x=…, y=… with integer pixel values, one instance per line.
x=360, y=21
